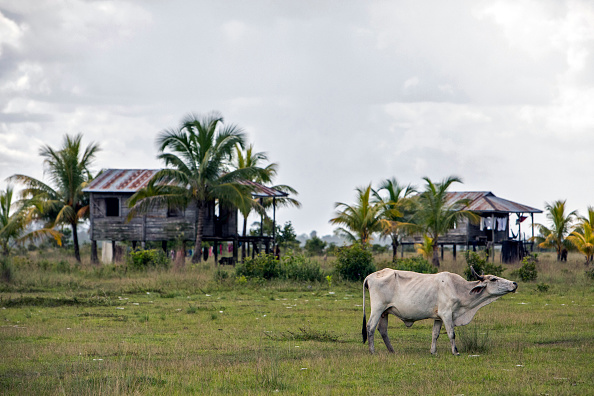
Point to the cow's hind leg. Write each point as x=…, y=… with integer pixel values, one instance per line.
x=383, y=329
x=374, y=319
x=436, y=330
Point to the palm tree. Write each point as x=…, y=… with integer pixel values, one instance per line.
x=560, y=224
x=68, y=170
x=198, y=156
x=434, y=217
x=11, y=224
x=583, y=240
x=360, y=220
x=247, y=160
x=396, y=209
x=425, y=249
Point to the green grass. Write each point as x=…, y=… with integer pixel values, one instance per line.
x=89, y=332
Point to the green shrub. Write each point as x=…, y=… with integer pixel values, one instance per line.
x=263, y=266
x=63, y=266
x=590, y=273
x=480, y=262
x=415, y=264
x=145, y=259
x=301, y=268
x=528, y=271
x=354, y=262
x=542, y=287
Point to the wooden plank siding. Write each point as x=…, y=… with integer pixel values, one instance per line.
x=157, y=225
x=466, y=233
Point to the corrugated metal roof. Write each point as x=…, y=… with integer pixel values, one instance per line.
x=486, y=201
x=261, y=191
x=132, y=180
x=121, y=180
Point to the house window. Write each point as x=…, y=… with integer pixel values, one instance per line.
x=175, y=212
x=112, y=207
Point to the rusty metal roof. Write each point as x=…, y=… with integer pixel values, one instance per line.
x=486, y=201
x=261, y=191
x=132, y=180
x=121, y=180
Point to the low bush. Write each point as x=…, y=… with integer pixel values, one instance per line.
x=145, y=259
x=528, y=271
x=263, y=266
x=354, y=262
x=480, y=262
x=415, y=264
x=590, y=273
x=301, y=268
x=267, y=266
x=542, y=287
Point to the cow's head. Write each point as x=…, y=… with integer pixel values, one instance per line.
x=492, y=285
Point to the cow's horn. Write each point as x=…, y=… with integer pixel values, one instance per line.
x=477, y=276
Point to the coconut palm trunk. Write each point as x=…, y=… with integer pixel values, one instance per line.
x=75, y=242
x=435, y=259
x=394, y=247
x=201, y=208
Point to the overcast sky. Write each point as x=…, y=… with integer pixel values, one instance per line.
x=339, y=93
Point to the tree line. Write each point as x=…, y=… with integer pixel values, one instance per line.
x=394, y=210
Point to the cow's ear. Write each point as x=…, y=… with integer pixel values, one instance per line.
x=478, y=289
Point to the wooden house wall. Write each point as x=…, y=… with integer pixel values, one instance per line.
x=156, y=225
x=465, y=233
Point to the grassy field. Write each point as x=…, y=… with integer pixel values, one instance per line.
x=89, y=331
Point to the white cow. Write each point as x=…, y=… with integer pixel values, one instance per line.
x=445, y=297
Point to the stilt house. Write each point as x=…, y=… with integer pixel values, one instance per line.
x=494, y=227
x=109, y=195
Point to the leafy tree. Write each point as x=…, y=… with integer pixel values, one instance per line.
x=560, y=225
x=434, y=217
x=315, y=246
x=199, y=170
x=65, y=203
x=396, y=210
x=360, y=220
x=286, y=236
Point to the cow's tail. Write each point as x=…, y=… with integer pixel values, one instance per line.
x=364, y=330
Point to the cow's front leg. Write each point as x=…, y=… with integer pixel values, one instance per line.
x=383, y=329
x=436, y=330
x=449, y=325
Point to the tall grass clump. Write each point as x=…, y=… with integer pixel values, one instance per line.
x=473, y=339
x=480, y=262
x=354, y=262
x=147, y=259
